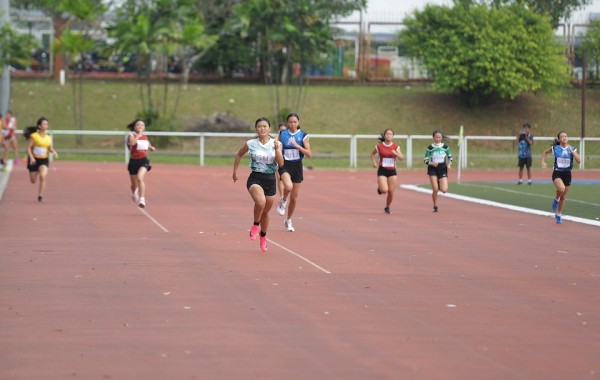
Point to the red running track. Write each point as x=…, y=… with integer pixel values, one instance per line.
x=91, y=287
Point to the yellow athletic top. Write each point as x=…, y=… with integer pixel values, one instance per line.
x=41, y=145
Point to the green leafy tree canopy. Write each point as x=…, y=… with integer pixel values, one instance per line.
x=483, y=52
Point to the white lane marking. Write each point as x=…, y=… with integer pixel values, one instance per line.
x=152, y=219
x=503, y=205
x=300, y=257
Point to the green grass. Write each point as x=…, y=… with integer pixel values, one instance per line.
x=348, y=109
x=582, y=200
x=328, y=109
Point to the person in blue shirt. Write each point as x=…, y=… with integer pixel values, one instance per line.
x=564, y=154
x=525, y=141
x=295, y=147
x=265, y=157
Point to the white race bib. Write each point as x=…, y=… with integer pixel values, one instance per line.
x=438, y=158
x=142, y=145
x=291, y=154
x=388, y=162
x=563, y=162
x=40, y=151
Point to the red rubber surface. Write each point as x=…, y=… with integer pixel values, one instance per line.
x=93, y=288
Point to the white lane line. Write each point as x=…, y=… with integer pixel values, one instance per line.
x=152, y=219
x=503, y=205
x=300, y=257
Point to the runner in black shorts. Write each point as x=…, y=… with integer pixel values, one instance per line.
x=265, y=157
x=564, y=154
x=296, y=146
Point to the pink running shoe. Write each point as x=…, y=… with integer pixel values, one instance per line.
x=254, y=231
x=263, y=244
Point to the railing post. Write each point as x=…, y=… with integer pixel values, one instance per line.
x=202, y=149
x=409, y=152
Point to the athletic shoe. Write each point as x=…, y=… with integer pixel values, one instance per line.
x=135, y=196
x=40, y=198
x=142, y=202
x=16, y=162
x=263, y=243
x=387, y=210
x=529, y=182
x=254, y=232
x=379, y=191
x=558, y=219
x=555, y=204
x=288, y=225
x=520, y=182
x=281, y=206
x=435, y=209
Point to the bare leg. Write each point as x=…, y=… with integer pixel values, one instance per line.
x=434, y=189
x=293, y=200
x=140, y=181
x=391, y=183
x=43, y=170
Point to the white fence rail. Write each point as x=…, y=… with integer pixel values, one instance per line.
x=460, y=149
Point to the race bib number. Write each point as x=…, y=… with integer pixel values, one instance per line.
x=291, y=154
x=142, y=145
x=388, y=162
x=563, y=162
x=39, y=151
x=438, y=158
x=262, y=159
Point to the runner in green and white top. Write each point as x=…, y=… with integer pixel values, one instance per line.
x=265, y=157
x=438, y=159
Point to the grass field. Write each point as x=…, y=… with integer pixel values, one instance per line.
x=582, y=201
x=350, y=109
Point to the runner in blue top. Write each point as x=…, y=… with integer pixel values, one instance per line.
x=295, y=148
x=265, y=156
x=561, y=176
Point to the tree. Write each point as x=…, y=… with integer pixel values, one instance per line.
x=15, y=48
x=155, y=31
x=557, y=10
x=483, y=52
x=591, y=45
x=287, y=33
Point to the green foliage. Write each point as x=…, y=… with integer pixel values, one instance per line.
x=15, y=48
x=591, y=45
x=557, y=10
x=483, y=52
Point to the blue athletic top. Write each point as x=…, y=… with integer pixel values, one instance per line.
x=290, y=152
x=563, y=158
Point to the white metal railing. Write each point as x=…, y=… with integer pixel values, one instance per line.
x=354, y=153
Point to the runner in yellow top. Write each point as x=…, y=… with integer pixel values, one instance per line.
x=39, y=145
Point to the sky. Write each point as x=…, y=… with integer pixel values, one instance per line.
x=393, y=10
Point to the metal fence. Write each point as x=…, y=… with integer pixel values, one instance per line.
x=351, y=151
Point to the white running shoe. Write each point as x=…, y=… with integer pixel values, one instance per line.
x=281, y=206
x=135, y=196
x=142, y=202
x=288, y=225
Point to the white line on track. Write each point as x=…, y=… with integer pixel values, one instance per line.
x=300, y=257
x=503, y=205
x=152, y=219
